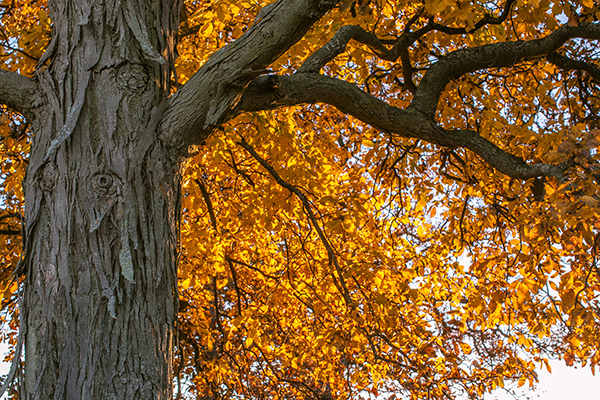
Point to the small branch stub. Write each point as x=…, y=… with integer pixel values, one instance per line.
x=273, y=82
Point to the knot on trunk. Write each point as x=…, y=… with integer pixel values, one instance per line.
x=103, y=184
x=133, y=77
x=47, y=177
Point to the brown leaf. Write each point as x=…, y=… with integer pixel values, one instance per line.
x=573, y=21
x=567, y=147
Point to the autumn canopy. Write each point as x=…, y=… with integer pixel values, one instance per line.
x=308, y=199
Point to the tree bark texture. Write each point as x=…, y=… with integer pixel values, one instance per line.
x=102, y=191
x=102, y=207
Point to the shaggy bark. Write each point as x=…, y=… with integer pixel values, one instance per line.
x=102, y=207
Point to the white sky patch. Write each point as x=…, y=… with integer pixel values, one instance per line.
x=564, y=383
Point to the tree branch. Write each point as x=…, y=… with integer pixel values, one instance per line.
x=504, y=162
x=10, y=232
x=208, y=202
x=192, y=30
x=189, y=118
x=495, y=55
x=18, y=92
x=311, y=216
x=267, y=93
x=10, y=215
x=487, y=20
x=568, y=64
x=337, y=45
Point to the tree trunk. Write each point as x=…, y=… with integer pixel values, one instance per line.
x=102, y=207
x=102, y=191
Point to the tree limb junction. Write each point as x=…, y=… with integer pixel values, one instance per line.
x=265, y=94
x=17, y=91
x=188, y=119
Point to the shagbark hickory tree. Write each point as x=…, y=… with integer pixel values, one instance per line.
x=305, y=199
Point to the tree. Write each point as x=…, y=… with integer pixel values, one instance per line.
x=306, y=199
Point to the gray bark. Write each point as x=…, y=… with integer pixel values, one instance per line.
x=102, y=207
x=18, y=92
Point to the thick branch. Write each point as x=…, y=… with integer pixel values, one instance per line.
x=496, y=55
x=200, y=105
x=337, y=45
x=568, y=64
x=17, y=91
x=267, y=93
x=504, y=162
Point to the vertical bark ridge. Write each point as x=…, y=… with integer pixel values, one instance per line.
x=102, y=201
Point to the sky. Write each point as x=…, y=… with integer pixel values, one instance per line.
x=569, y=383
x=564, y=383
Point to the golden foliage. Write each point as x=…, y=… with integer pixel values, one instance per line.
x=423, y=272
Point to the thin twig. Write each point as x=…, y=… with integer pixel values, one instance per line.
x=308, y=210
x=208, y=202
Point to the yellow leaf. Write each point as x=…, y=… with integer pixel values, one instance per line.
x=334, y=225
x=368, y=143
x=589, y=201
x=348, y=225
x=588, y=3
x=327, y=199
x=207, y=29
x=466, y=348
